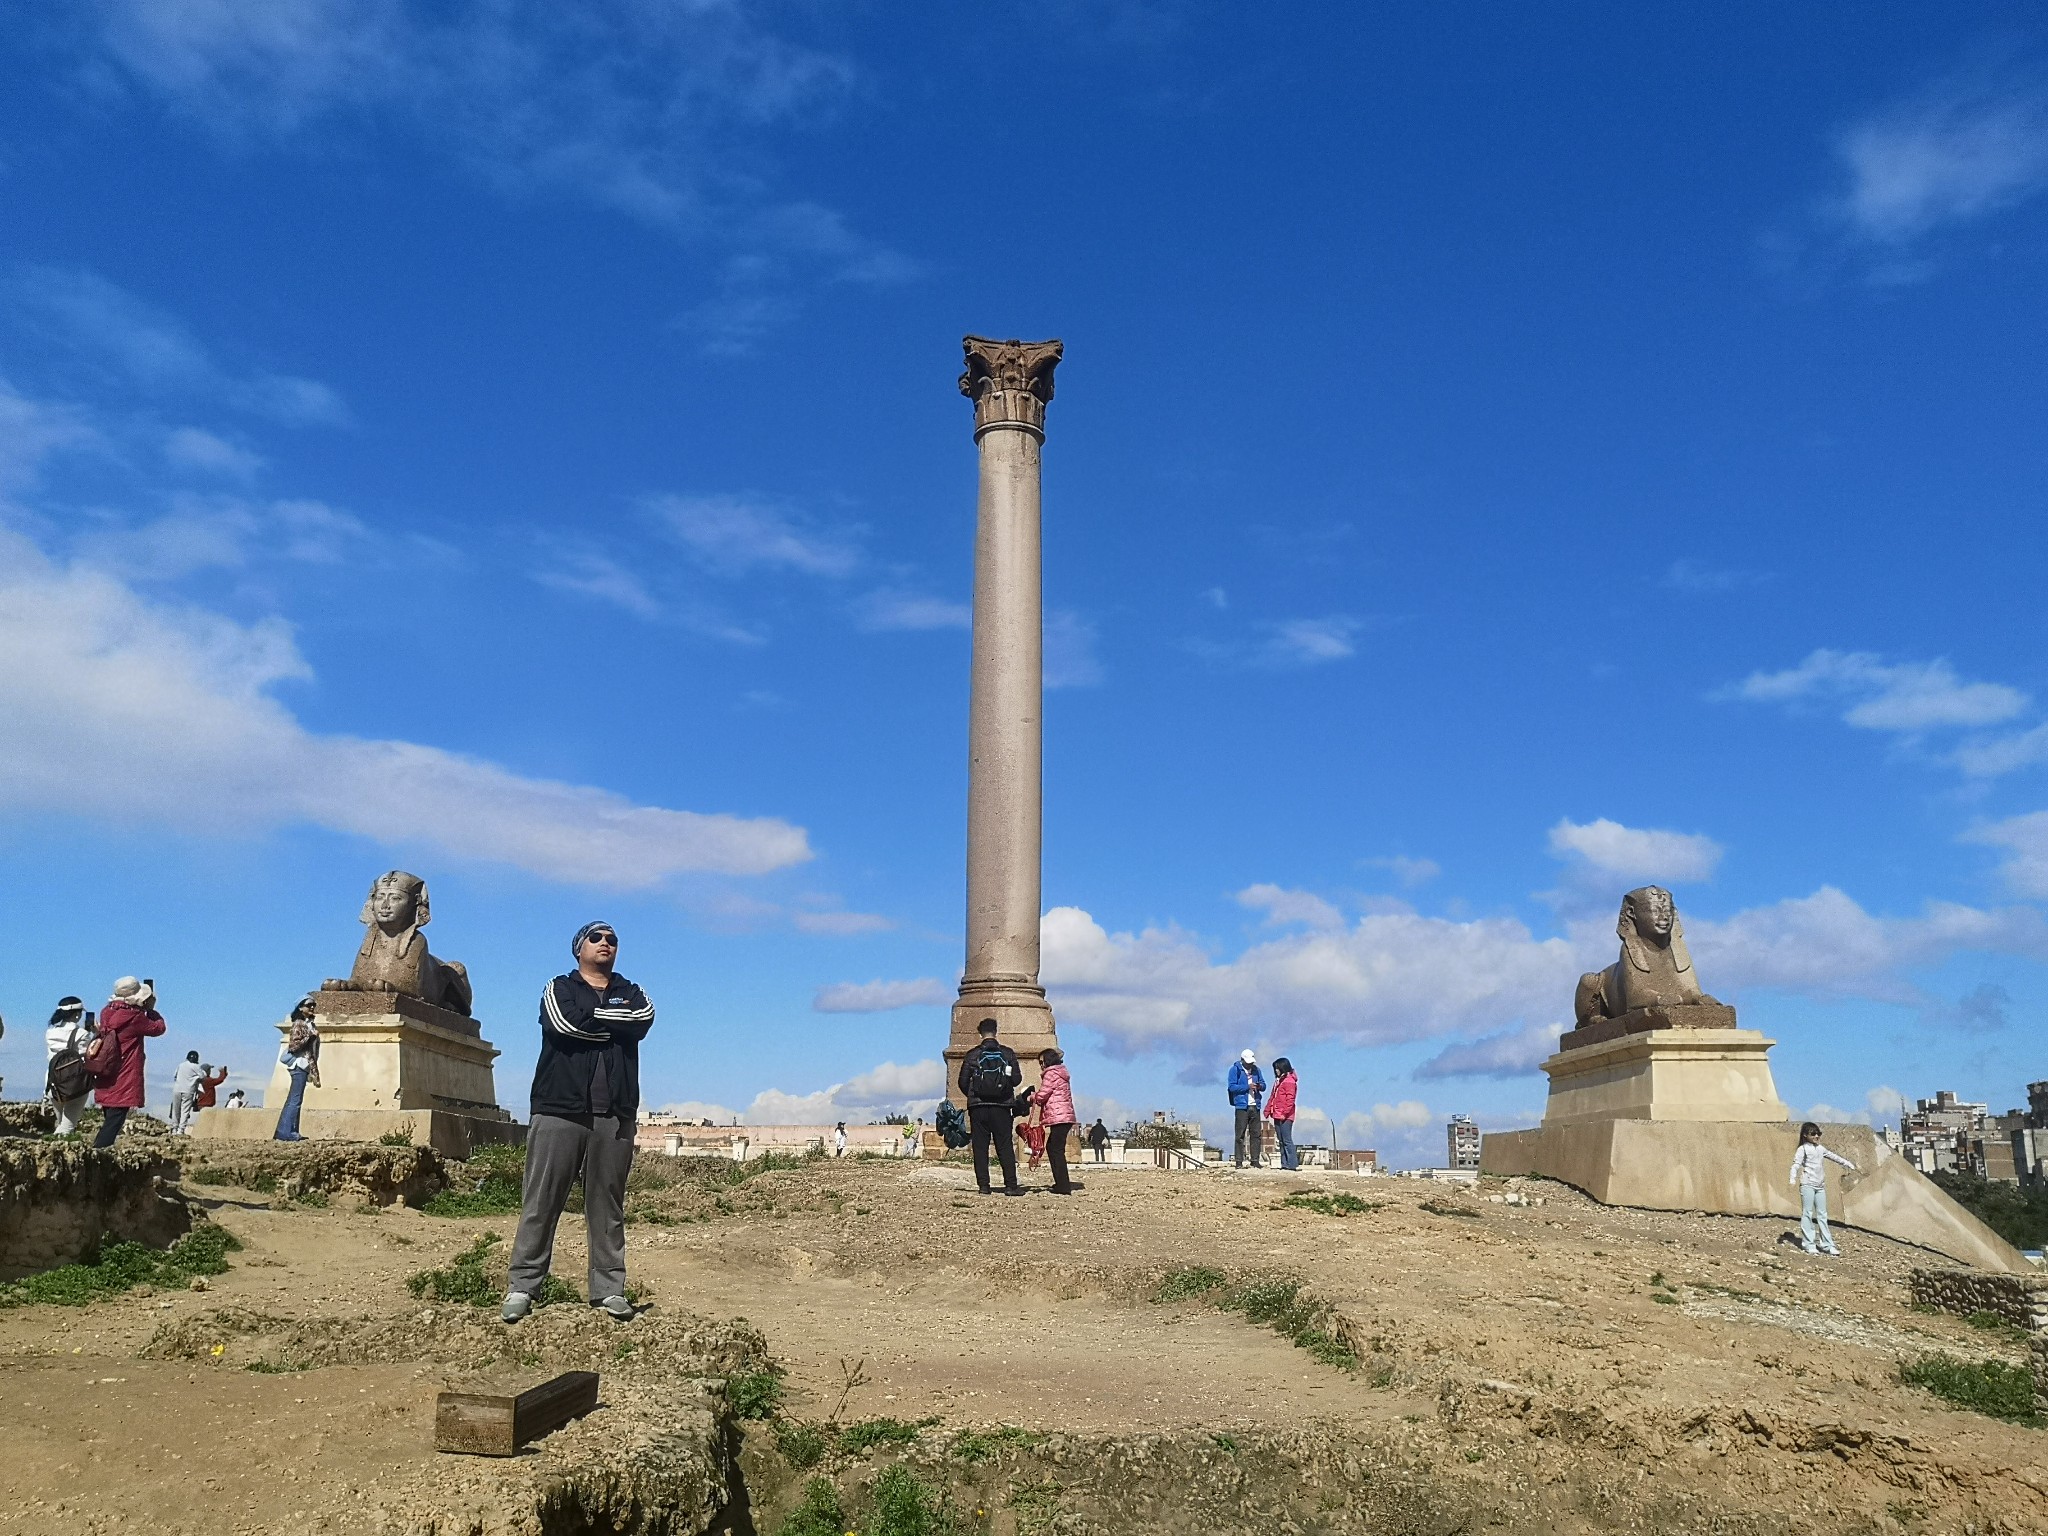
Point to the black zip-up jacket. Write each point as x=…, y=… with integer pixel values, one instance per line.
x=581, y=1030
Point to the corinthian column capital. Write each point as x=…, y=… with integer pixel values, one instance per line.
x=1009, y=382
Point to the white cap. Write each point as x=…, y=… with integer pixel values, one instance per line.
x=1249, y=1058
x=130, y=990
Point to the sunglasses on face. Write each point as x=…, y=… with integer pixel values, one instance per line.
x=602, y=938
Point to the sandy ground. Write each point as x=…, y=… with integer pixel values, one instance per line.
x=1521, y=1350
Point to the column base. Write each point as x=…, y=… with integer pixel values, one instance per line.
x=1024, y=1023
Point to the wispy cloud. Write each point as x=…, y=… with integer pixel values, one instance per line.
x=1285, y=908
x=1610, y=849
x=1070, y=659
x=2024, y=841
x=840, y=924
x=732, y=535
x=1907, y=697
x=1696, y=576
x=1955, y=152
x=597, y=576
x=891, y=609
x=1409, y=872
x=663, y=113
x=882, y=996
x=1309, y=642
x=195, y=448
x=1511, y=1053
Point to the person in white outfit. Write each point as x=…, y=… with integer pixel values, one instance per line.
x=184, y=1083
x=70, y=1029
x=1810, y=1178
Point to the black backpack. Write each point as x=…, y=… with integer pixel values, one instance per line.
x=993, y=1080
x=952, y=1125
x=68, y=1077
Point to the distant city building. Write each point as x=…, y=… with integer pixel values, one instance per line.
x=1463, y=1135
x=1355, y=1160
x=1940, y=1134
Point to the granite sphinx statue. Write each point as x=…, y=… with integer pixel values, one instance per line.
x=394, y=955
x=1655, y=968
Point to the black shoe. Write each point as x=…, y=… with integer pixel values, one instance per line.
x=1016, y=1191
x=986, y=1190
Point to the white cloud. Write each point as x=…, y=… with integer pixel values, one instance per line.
x=889, y=1089
x=1392, y=976
x=2025, y=842
x=840, y=924
x=90, y=668
x=1637, y=853
x=1954, y=153
x=1283, y=907
x=659, y=112
x=153, y=352
x=1307, y=642
x=732, y=535
x=893, y=610
x=697, y=1109
x=1881, y=1106
x=1070, y=660
x=31, y=431
x=1694, y=576
x=1826, y=945
x=1907, y=697
x=882, y=996
x=223, y=532
x=197, y=449
x=1507, y=1054
x=1409, y=872
x=600, y=577
x=1990, y=757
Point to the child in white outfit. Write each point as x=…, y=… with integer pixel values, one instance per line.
x=1810, y=1176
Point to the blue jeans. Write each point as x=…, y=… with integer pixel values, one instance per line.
x=1813, y=1208
x=288, y=1117
x=1284, y=1129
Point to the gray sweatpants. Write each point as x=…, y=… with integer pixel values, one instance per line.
x=559, y=1151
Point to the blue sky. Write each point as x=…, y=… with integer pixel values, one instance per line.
x=1502, y=457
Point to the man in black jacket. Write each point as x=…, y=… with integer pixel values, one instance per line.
x=586, y=1103
x=990, y=1078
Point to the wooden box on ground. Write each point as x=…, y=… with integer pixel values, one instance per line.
x=498, y=1424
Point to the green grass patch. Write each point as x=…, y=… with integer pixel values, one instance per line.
x=907, y=1505
x=1988, y=1386
x=803, y=1446
x=1664, y=1298
x=756, y=1395
x=1339, y=1204
x=1657, y=1278
x=394, y=1139
x=1998, y=1327
x=462, y=1279
x=869, y=1433
x=974, y=1446
x=1188, y=1282
x=2020, y=1216
x=119, y=1267
x=818, y=1513
x=317, y=1198
x=207, y=1176
x=1277, y=1303
x=274, y=1367
x=489, y=1184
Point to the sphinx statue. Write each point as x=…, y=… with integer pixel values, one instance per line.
x=1655, y=968
x=394, y=955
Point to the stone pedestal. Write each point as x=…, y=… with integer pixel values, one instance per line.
x=1010, y=383
x=1665, y=1073
x=388, y=1064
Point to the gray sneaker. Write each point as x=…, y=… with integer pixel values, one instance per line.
x=517, y=1305
x=616, y=1307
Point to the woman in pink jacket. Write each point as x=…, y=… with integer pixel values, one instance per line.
x=1280, y=1110
x=1055, y=1103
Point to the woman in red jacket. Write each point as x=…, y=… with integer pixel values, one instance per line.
x=1280, y=1110
x=1055, y=1102
x=128, y=1019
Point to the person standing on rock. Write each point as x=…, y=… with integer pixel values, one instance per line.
x=184, y=1083
x=989, y=1080
x=1280, y=1110
x=586, y=1103
x=67, y=1081
x=1246, y=1087
x=1055, y=1104
x=1810, y=1178
x=129, y=1018
x=300, y=1058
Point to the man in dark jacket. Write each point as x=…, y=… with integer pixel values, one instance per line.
x=990, y=1078
x=586, y=1103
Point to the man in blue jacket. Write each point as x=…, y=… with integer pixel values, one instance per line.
x=1247, y=1088
x=586, y=1105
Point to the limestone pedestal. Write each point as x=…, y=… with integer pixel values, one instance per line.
x=388, y=1064
x=1023, y=1022
x=1677, y=1112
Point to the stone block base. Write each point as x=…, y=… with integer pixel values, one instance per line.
x=1741, y=1168
x=1024, y=1023
x=1665, y=1074
x=451, y=1134
x=1638, y=1021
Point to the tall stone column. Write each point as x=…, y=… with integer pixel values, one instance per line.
x=1009, y=383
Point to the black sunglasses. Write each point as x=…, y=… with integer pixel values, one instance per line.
x=602, y=937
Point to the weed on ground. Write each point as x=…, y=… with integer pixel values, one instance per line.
x=1339, y=1204
x=819, y=1513
x=973, y=1446
x=120, y=1267
x=1272, y=1301
x=1987, y=1386
x=1438, y=1208
x=489, y=1184
x=755, y=1395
